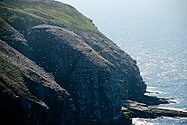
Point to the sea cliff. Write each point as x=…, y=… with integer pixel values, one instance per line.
x=57, y=68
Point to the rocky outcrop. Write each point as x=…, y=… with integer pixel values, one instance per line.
x=127, y=72
x=95, y=71
x=28, y=94
x=98, y=85
x=133, y=109
x=11, y=36
x=79, y=68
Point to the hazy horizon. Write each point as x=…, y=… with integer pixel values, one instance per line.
x=154, y=32
x=56, y=68
x=151, y=31
x=133, y=14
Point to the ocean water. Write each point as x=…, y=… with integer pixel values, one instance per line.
x=154, y=32
x=165, y=72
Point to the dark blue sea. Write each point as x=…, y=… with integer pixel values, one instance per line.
x=154, y=32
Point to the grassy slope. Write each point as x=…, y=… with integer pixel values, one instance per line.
x=46, y=11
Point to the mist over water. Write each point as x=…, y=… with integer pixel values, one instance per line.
x=154, y=32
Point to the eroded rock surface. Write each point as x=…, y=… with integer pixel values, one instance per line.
x=98, y=83
x=28, y=94
x=97, y=76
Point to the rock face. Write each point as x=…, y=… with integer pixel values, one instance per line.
x=96, y=72
x=28, y=94
x=127, y=72
x=133, y=109
x=79, y=68
x=98, y=85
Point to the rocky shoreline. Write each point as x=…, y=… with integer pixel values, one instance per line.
x=133, y=109
x=58, y=68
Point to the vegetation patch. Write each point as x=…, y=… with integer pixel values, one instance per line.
x=47, y=12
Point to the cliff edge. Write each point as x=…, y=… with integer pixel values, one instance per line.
x=66, y=67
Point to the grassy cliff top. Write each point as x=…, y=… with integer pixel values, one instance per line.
x=47, y=11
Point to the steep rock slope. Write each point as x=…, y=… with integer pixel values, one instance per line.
x=128, y=74
x=97, y=73
x=28, y=94
x=80, y=69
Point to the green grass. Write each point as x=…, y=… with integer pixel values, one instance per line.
x=127, y=114
x=47, y=11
